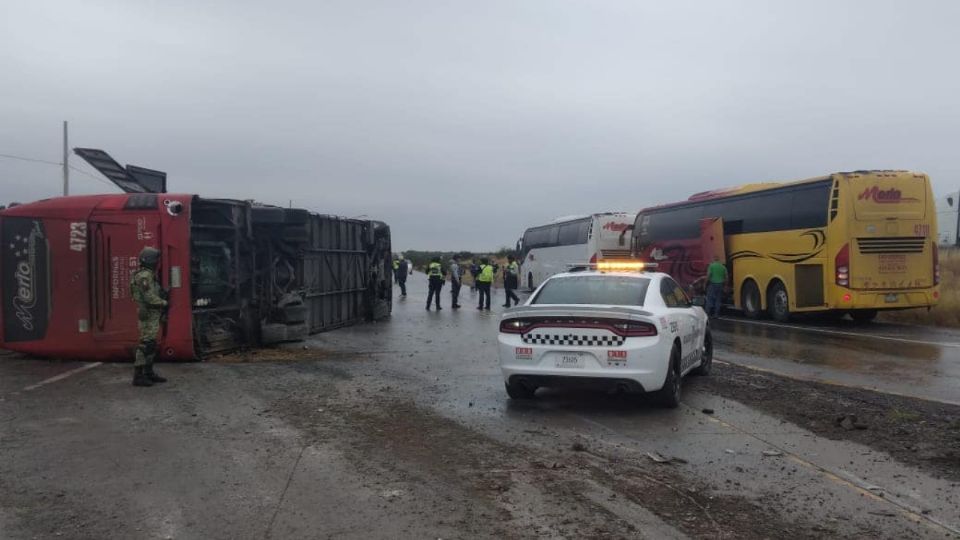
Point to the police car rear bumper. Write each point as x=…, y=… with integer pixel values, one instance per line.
x=638, y=365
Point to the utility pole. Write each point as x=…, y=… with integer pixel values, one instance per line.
x=66, y=162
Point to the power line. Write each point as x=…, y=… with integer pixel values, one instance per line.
x=95, y=177
x=59, y=164
x=34, y=160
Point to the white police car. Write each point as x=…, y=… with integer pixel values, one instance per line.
x=615, y=327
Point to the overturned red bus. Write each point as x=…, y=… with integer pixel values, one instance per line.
x=238, y=273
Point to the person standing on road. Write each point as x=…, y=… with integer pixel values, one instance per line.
x=455, y=279
x=484, y=282
x=435, y=279
x=716, y=281
x=151, y=305
x=400, y=275
x=475, y=272
x=511, y=280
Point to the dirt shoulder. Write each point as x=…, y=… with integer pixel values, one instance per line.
x=925, y=434
x=486, y=488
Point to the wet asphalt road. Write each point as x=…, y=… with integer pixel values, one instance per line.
x=908, y=360
x=232, y=451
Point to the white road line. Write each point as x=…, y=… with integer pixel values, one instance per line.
x=62, y=376
x=853, y=334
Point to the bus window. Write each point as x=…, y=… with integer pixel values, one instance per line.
x=810, y=207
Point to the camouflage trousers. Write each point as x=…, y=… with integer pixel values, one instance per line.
x=147, y=347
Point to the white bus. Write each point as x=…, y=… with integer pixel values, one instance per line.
x=546, y=250
x=948, y=220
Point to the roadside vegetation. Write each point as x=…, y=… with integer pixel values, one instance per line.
x=421, y=259
x=947, y=312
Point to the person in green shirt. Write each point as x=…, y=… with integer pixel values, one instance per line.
x=716, y=281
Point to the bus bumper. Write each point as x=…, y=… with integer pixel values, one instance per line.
x=889, y=299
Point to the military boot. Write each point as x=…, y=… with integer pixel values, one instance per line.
x=152, y=375
x=140, y=377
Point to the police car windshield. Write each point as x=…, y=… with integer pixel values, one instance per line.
x=603, y=290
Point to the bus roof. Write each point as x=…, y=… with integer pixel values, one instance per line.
x=763, y=186
x=577, y=217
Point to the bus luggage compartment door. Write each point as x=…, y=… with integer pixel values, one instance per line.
x=711, y=241
x=113, y=261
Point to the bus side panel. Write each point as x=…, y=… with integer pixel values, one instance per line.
x=794, y=258
x=681, y=259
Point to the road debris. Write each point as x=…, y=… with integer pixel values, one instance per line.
x=849, y=422
x=772, y=453
x=657, y=457
x=706, y=411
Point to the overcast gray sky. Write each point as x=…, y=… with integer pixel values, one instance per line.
x=462, y=123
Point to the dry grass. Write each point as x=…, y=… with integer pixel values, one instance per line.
x=947, y=311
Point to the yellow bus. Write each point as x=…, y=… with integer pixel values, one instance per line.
x=854, y=242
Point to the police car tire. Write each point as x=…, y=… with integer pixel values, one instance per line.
x=520, y=391
x=706, y=360
x=669, y=396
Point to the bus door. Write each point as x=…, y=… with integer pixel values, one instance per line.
x=116, y=242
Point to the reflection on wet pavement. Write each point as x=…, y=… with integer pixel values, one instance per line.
x=889, y=358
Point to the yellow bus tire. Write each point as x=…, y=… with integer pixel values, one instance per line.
x=750, y=299
x=778, y=302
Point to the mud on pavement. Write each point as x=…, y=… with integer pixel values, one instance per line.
x=480, y=487
x=925, y=434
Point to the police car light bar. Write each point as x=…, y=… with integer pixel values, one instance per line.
x=614, y=266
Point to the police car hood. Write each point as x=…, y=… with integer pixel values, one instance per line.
x=578, y=310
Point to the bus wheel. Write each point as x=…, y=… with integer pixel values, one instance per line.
x=863, y=315
x=778, y=303
x=750, y=299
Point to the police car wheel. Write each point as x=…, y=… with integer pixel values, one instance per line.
x=706, y=355
x=669, y=395
x=519, y=390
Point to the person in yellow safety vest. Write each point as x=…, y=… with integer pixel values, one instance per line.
x=400, y=275
x=484, y=282
x=435, y=278
x=511, y=280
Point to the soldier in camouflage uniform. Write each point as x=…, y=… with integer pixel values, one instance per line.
x=151, y=303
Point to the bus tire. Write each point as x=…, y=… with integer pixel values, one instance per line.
x=750, y=299
x=863, y=315
x=778, y=302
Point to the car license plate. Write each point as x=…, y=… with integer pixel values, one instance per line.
x=891, y=298
x=570, y=360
